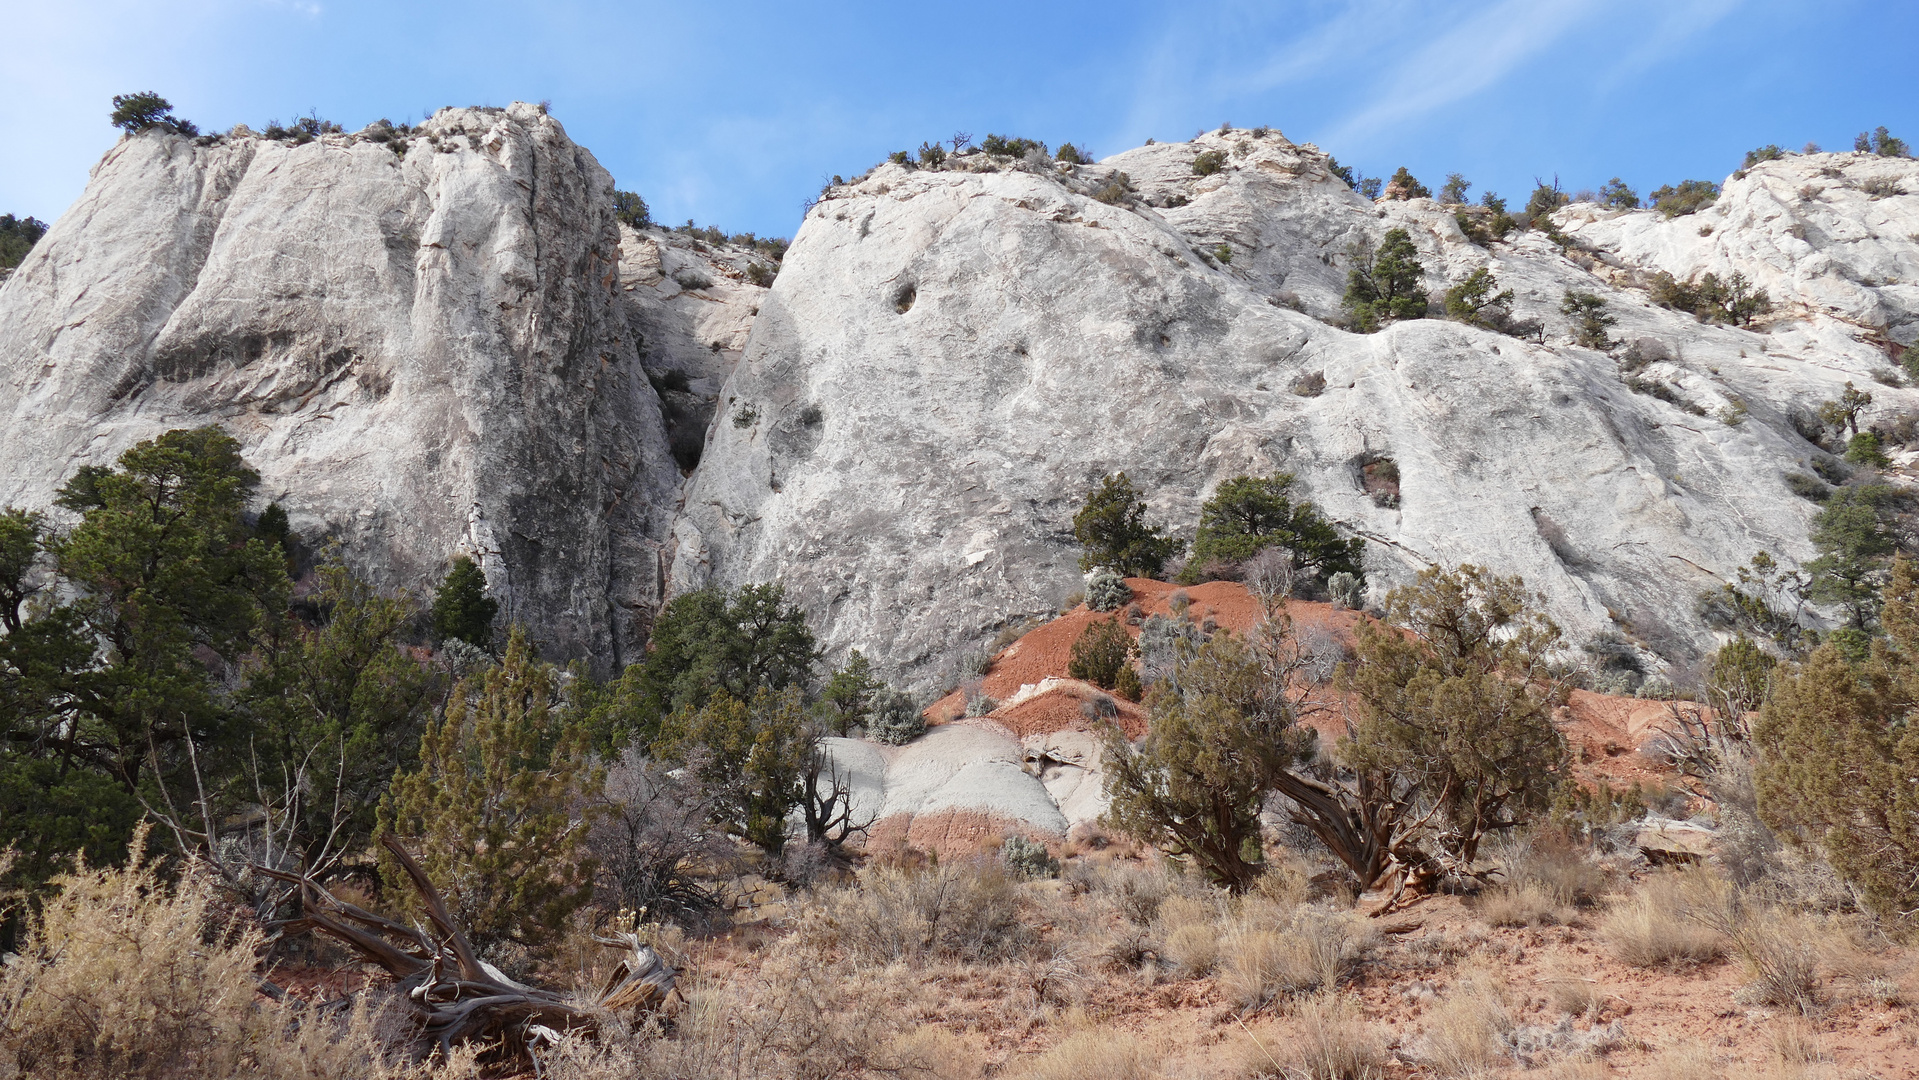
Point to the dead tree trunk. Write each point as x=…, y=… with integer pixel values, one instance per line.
x=454, y=996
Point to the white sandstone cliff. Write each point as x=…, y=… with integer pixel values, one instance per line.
x=950, y=359
x=423, y=355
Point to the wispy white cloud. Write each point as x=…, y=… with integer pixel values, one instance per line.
x=1667, y=31
x=1472, y=55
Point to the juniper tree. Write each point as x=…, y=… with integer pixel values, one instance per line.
x=1474, y=300
x=1385, y=284
x=1616, y=192
x=1590, y=319
x=1454, y=708
x=461, y=608
x=1111, y=526
x=1247, y=514
x=493, y=812
x=749, y=755
x=1100, y=652
x=1837, y=750
x=1403, y=185
x=706, y=642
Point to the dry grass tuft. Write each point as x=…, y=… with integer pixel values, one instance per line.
x=1193, y=949
x=1316, y=947
x=952, y=911
x=1683, y=1061
x=1464, y=1032
x=1522, y=905
x=1562, y=869
x=1661, y=925
x=1571, y=994
x=1092, y=1055
x=1795, y=1042
x=1333, y=1043
x=124, y=974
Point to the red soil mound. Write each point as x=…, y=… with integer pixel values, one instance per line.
x=1606, y=734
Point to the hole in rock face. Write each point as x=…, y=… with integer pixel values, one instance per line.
x=903, y=299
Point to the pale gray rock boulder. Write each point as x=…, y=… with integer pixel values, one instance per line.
x=423, y=355
x=950, y=360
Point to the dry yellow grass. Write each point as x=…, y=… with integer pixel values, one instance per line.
x=1092, y=1055
x=1660, y=925
x=125, y=974
x=1462, y=1032
x=1193, y=949
x=1333, y=1043
x=1527, y=904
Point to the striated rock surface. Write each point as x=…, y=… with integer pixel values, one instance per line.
x=689, y=306
x=423, y=354
x=950, y=359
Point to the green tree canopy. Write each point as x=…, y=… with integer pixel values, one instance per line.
x=1590, y=319
x=161, y=587
x=461, y=608
x=1248, y=514
x=1402, y=185
x=170, y=581
x=750, y=754
x=847, y=698
x=1455, y=706
x=1111, y=526
x=134, y=113
x=1474, y=300
x=1838, y=751
x=1385, y=284
x=17, y=237
x=492, y=811
x=711, y=641
x=1855, y=546
x=336, y=709
x=1218, y=743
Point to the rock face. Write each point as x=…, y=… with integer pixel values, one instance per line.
x=461, y=349
x=950, y=359
x=689, y=304
x=423, y=354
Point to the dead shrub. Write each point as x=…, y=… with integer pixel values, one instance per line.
x=124, y=974
x=1560, y=868
x=1093, y=1055
x=959, y=910
x=787, y=1019
x=1661, y=926
x=1781, y=954
x=1139, y=893
x=1571, y=995
x=1795, y=1042
x=1684, y=1061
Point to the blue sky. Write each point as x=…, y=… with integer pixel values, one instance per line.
x=732, y=114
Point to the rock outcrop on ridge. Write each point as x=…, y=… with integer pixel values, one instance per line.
x=423, y=353
x=950, y=359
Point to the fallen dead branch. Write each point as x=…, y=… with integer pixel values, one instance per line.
x=454, y=996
